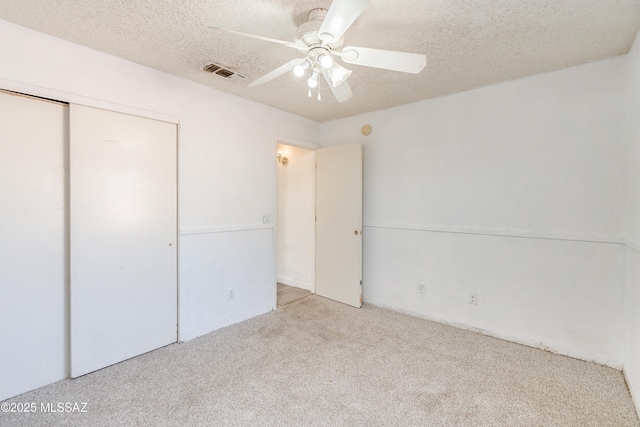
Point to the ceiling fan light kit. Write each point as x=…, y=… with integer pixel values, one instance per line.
x=313, y=80
x=321, y=40
x=325, y=60
x=339, y=74
x=300, y=69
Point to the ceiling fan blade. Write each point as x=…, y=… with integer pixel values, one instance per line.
x=283, y=69
x=267, y=39
x=343, y=92
x=339, y=18
x=405, y=62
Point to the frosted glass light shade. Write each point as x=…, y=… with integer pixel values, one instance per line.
x=338, y=74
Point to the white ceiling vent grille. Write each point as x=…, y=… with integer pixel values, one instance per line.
x=223, y=72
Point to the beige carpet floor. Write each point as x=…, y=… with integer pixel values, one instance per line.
x=317, y=362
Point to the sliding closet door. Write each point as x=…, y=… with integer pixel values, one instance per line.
x=34, y=336
x=123, y=213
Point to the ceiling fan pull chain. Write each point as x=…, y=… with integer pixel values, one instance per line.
x=319, y=99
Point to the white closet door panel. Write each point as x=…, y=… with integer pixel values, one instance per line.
x=123, y=237
x=33, y=282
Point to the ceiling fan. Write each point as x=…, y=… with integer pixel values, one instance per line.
x=321, y=41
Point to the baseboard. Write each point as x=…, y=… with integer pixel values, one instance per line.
x=634, y=397
x=540, y=346
x=297, y=284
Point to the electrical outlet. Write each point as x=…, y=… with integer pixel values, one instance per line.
x=473, y=299
x=231, y=294
x=422, y=288
x=266, y=218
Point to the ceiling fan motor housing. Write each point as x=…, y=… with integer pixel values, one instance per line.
x=308, y=32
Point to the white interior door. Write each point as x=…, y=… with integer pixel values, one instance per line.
x=339, y=223
x=34, y=338
x=123, y=211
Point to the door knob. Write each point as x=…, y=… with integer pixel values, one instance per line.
x=355, y=232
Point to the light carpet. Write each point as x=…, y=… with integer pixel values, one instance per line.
x=318, y=362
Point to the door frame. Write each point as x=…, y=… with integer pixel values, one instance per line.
x=71, y=98
x=279, y=139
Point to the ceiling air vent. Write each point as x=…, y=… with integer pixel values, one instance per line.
x=223, y=72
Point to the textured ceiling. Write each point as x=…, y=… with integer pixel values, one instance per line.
x=468, y=43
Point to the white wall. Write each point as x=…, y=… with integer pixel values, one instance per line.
x=226, y=175
x=296, y=218
x=632, y=266
x=514, y=192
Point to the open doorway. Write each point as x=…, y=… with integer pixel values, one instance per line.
x=295, y=223
x=318, y=236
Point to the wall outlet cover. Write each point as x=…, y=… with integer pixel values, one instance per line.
x=473, y=299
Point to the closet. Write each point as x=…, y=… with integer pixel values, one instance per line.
x=89, y=239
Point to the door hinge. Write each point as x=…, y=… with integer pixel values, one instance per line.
x=360, y=282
